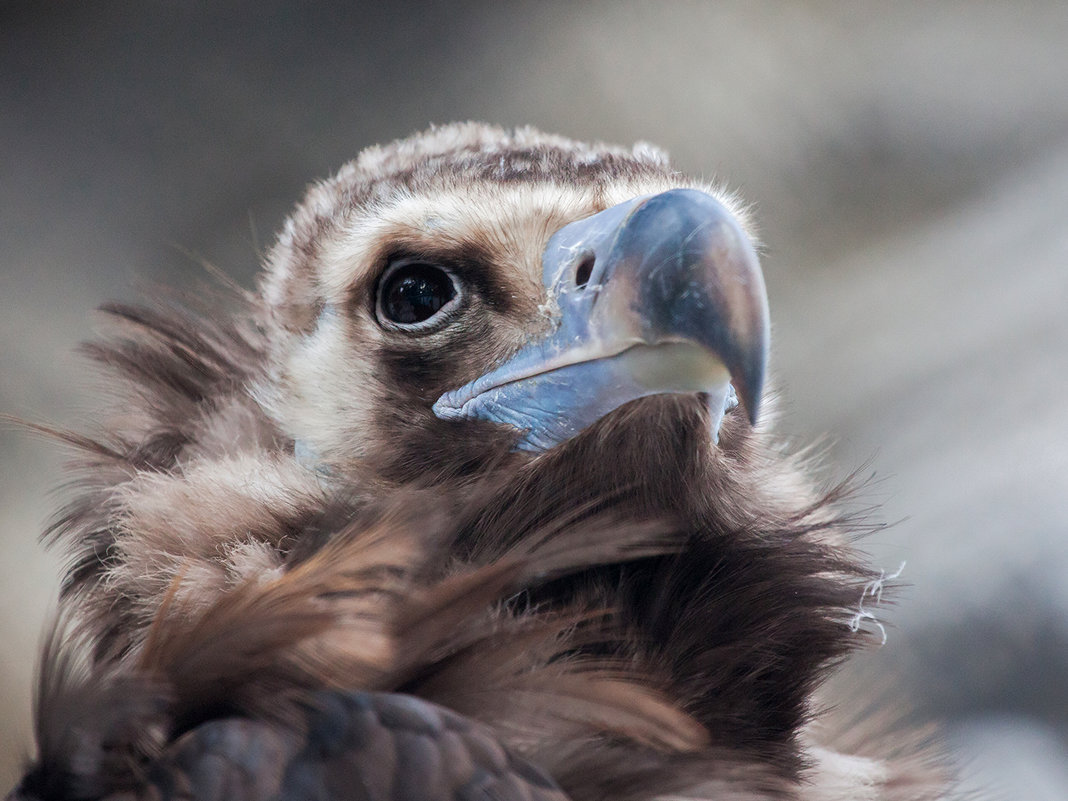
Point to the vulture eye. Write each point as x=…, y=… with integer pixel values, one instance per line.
x=412, y=293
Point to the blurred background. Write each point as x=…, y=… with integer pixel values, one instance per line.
x=909, y=166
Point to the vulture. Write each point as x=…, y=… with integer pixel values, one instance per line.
x=474, y=497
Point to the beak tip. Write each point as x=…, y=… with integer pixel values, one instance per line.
x=751, y=402
x=749, y=381
x=753, y=413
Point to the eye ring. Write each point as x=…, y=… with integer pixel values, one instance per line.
x=416, y=295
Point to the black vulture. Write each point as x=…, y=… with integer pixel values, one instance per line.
x=474, y=497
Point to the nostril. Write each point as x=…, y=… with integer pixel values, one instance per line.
x=584, y=271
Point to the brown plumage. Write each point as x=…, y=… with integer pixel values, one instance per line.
x=291, y=578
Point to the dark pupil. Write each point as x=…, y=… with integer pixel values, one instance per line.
x=415, y=293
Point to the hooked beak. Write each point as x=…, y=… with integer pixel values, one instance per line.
x=661, y=294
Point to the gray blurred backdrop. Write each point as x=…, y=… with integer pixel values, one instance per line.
x=909, y=166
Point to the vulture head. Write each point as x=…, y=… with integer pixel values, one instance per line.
x=468, y=284
x=473, y=497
